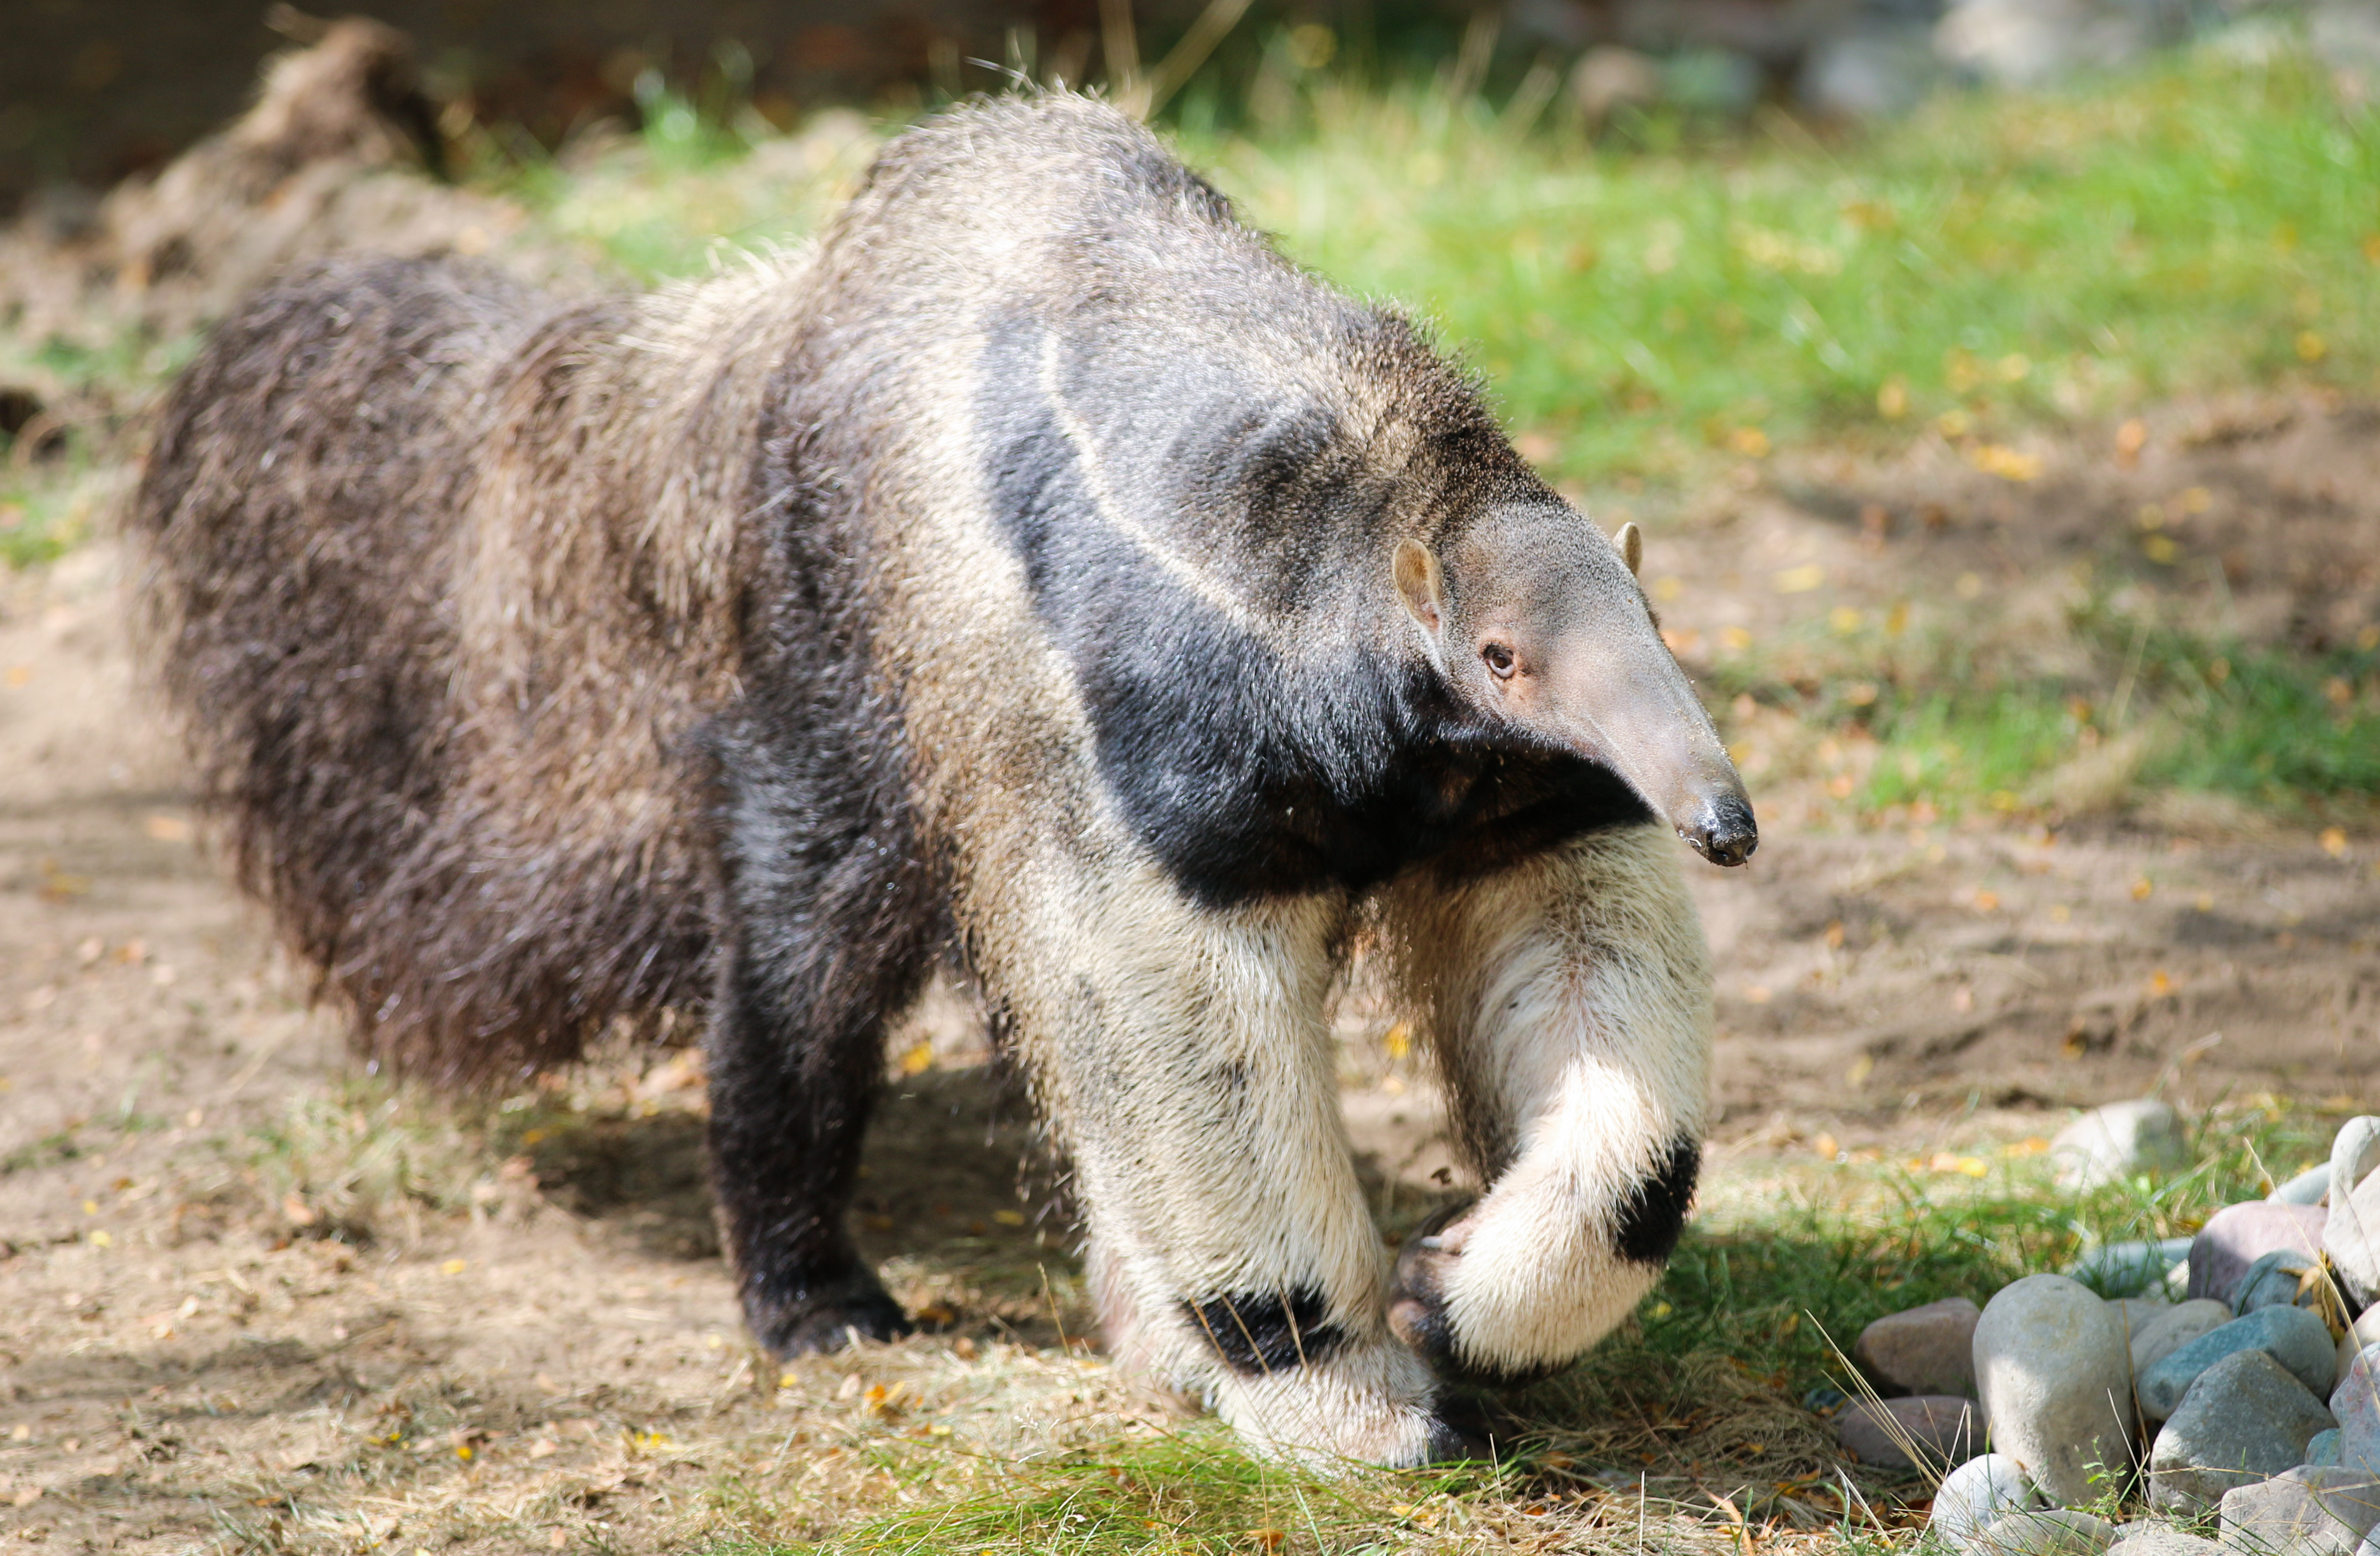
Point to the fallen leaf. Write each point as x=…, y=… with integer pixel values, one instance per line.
x=454, y=1267
x=1998, y=459
x=2334, y=842
x=168, y=829
x=1009, y=1218
x=1801, y=580
x=918, y=1060
x=294, y=1205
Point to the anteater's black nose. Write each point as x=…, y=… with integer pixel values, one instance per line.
x=1724, y=832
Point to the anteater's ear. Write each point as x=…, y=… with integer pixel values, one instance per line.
x=1630, y=541
x=1421, y=586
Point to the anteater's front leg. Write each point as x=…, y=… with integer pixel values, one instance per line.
x=826, y=938
x=1568, y=1001
x=1232, y=1255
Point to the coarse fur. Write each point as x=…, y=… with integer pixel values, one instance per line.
x=1040, y=573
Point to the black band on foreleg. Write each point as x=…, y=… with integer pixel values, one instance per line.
x=1654, y=1212
x=1257, y=1332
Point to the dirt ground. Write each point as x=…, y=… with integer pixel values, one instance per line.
x=250, y=1298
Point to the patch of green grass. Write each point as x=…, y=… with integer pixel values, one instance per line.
x=40, y=519
x=1995, y=259
x=1950, y=718
x=2261, y=724
x=1192, y=1490
x=47, y=1151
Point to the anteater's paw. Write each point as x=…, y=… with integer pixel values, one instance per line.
x=1419, y=1313
x=1373, y=1403
x=827, y=1317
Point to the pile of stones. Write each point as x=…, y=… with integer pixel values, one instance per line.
x=2239, y=1379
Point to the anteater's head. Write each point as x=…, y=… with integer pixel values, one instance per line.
x=1538, y=624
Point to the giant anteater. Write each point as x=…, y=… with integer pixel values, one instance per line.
x=1038, y=572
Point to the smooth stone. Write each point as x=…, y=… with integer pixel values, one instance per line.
x=2035, y=42
x=1880, y=69
x=2245, y=1420
x=2053, y=1368
x=2177, y=1326
x=2058, y=1532
x=2323, y=1449
x=2309, y=1511
x=2364, y=1331
x=1928, y=1350
x=2356, y=1403
x=2306, y=1188
x=2128, y=1268
x=2238, y=1235
x=1978, y=1494
x=2292, y=1336
x=1942, y=1429
x=2150, y=1538
x=2277, y=1280
x=1609, y=78
x=2355, y=1151
x=2138, y=1313
x=2115, y=1142
x=2351, y=1238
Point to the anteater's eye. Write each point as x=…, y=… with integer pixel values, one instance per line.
x=1499, y=661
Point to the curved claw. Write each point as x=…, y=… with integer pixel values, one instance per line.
x=1417, y=1312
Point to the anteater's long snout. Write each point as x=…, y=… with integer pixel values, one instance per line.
x=1621, y=700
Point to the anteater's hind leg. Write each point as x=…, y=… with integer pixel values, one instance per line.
x=826, y=937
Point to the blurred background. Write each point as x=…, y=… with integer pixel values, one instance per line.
x=93, y=89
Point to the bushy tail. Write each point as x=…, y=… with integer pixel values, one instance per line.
x=485, y=836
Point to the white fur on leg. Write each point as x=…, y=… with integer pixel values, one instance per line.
x=1569, y=1003
x=1369, y=1402
x=1191, y=1059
